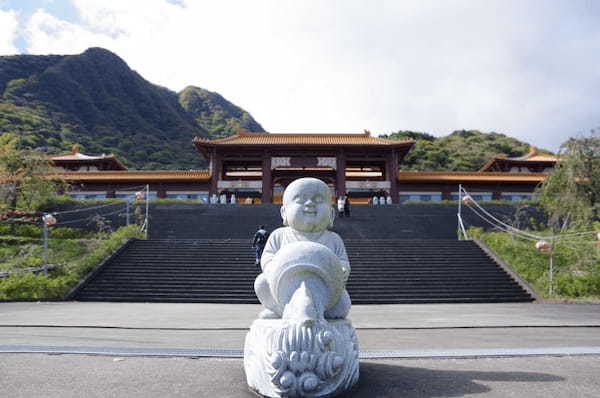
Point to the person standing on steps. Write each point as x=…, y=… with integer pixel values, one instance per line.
x=259, y=242
x=340, y=206
x=346, y=206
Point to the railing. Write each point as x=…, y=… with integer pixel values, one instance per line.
x=461, y=225
x=34, y=270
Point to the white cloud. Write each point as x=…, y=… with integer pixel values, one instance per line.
x=527, y=69
x=8, y=32
x=47, y=34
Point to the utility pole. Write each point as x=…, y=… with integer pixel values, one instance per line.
x=551, y=289
x=45, y=248
x=458, y=216
x=147, y=208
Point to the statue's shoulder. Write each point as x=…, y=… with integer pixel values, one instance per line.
x=333, y=236
x=281, y=231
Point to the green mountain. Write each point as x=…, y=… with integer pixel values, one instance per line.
x=215, y=114
x=463, y=150
x=94, y=99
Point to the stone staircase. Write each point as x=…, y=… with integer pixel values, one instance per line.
x=415, y=221
x=384, y=271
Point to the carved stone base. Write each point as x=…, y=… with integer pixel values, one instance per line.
x=307, y=359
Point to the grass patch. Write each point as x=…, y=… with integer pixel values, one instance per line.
x=576, y=263
x=79, y=257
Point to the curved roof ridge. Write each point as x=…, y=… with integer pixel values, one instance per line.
x=243, y=137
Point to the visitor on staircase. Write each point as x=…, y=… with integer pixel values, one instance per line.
x=341, y=204
x=258, y=243
x=346, y=206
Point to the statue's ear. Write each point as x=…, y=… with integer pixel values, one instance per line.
x=283, y=217
x=331, y=217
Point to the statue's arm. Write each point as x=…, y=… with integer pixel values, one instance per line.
x=340, y=251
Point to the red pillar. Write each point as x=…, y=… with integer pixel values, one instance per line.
x=392, y=175
x=215, y=173
x=447, y=192
x=340, y=173
x=267, y=179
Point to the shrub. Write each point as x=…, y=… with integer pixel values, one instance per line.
x=35, y=287
x=27, y=230
x=79, y=256
x=576, y=263
x=108, y=246
x=65, y=233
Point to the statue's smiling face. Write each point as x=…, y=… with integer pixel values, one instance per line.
x=307, y=205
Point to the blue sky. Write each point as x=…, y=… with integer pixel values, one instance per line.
x=525, y=68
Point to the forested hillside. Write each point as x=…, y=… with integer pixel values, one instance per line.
x=96, y=100
x=463, y=150
x=215, y=114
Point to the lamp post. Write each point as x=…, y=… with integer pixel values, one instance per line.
x=47, y=219
x=544, y=247
x=147, y=209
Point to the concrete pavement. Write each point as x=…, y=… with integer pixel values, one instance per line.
x=27, y=376
x=225, y=316
x=421, y=328
x=370, y=339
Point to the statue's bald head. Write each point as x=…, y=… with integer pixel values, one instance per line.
x=306, y=184
x=307, y=205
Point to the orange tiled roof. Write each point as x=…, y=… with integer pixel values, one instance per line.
x=145, y=175
x=471, y=176
x=75, y=155
x=532, y=156
x=245, y=138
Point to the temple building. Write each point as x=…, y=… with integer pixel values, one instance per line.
x=256, y=168
x=262, y=165
x=76, y=161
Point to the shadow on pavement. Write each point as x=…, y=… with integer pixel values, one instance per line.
x=383, y=380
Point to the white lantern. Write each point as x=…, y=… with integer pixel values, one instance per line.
x=139, y=196
x=49, y=219
x=542, y=246
x=467, y=199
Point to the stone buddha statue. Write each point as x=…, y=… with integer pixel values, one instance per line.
x=302, y=345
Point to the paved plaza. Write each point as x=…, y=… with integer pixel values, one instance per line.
x=182, y=350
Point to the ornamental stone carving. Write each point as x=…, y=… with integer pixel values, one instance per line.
x=239, y=184
x=327, y=162
x=302, y=345
x=288, y=358
x=280, y=162
x=368, y=185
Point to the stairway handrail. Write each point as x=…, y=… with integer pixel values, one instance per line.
x=462, y=228
x=461, y=225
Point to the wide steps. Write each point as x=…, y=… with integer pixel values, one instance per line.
x=384, y=271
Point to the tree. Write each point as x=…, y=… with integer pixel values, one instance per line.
x=26, y=180
x=571, y=193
